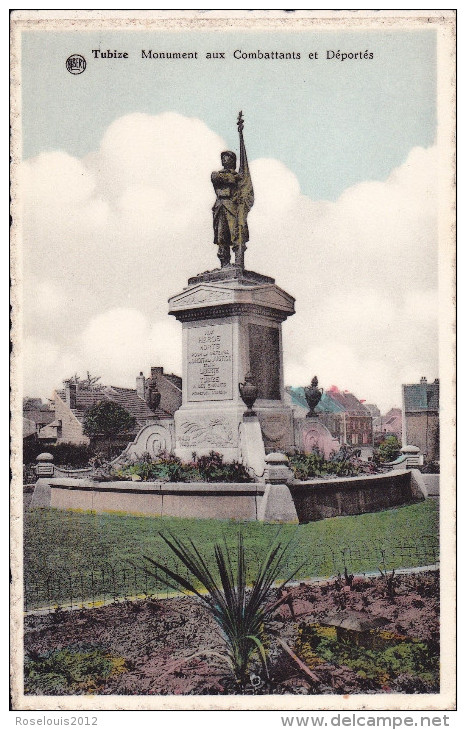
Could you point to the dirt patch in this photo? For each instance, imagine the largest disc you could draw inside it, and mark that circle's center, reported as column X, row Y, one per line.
column 173, row 647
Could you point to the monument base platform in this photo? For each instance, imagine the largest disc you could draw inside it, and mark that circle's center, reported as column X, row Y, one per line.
column 231, row 272
column 302, row 501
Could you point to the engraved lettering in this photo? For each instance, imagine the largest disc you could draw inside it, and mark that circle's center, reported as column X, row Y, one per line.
column 210, row 359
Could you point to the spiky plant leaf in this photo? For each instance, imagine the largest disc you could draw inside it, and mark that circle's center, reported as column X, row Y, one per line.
column 240, row 613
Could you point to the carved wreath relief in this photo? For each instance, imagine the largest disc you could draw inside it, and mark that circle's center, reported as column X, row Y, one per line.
column 210, row 432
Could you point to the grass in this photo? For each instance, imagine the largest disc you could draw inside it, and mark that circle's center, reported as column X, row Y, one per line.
column 59, row 543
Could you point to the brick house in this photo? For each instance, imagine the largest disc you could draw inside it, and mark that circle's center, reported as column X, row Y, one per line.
column 420, row 417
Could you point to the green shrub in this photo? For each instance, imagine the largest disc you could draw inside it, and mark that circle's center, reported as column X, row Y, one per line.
column 241, row 613
column 170, row 468
column 64, row 454
column 378, row 666
column 166, row 468
column 388, row 450
column 69, row 669
column 212, row 468
column 305, row 466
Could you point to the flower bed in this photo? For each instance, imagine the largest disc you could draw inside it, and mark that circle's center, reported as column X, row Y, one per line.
column 173, row 647
column 166, row 467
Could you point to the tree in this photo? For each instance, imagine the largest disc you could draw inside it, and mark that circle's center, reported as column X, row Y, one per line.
column 389, row 449
column 107, row 420
column 90, row 382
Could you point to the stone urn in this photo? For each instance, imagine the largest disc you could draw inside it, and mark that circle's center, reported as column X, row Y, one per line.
column 248, row 392
column 154, row 397
column 313, row 395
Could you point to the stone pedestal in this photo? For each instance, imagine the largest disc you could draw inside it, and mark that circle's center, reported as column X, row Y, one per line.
column 251, row 446
column 231, row 325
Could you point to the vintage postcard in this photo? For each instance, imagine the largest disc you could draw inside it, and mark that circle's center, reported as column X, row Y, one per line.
column 233, row 265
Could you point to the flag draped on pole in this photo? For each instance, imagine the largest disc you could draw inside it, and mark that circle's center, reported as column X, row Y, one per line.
column 245, row 189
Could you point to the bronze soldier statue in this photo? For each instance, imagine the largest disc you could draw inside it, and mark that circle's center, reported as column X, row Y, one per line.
column 235, row 198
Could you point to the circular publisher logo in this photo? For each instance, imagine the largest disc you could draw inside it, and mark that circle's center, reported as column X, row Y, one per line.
column 76, row 64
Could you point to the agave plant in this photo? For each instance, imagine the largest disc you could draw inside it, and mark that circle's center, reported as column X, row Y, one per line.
column 240, row 612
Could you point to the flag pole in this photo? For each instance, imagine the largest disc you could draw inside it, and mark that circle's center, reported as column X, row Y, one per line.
column 246, row 196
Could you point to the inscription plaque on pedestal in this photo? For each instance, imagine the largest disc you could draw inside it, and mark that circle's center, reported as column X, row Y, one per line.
column 210, row 363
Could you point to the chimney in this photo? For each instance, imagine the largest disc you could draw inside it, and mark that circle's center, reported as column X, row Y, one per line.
column 141, row 386
column 155, row 372
column 423, row 381
column 70, row 394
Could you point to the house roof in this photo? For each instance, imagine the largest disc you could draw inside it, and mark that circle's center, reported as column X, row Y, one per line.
column 350, row 403
column 393, row 413
column 174, row 379
column 29, row 427
column 41, row 416
column 35, row 404
column 134, row 404
column 373, row 410
column 331, row 402
column 325, row 405
column 125, row 397
column 421, row 396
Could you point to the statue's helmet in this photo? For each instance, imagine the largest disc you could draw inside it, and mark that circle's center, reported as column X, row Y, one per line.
column 228, row 156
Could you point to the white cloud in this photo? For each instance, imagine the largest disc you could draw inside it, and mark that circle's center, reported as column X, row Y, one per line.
column 115, row 345
column 334, row 361
column 120, row 342
column 46, row 364
column 54, row 179
column 108, row 239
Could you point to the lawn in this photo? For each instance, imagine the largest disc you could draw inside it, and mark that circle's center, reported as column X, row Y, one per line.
column 72, row 556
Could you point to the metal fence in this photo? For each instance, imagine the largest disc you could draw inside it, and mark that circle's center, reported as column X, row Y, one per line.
column 97, row 584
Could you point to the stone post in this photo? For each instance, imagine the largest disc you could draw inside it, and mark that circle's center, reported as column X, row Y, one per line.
column 44, row 466
column 277, row 470
column 414, row 458
column 277, row 503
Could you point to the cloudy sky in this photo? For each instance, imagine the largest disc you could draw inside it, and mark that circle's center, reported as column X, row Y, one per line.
column 117, row 200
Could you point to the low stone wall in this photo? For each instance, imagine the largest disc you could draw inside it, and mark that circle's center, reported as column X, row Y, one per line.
column 198, row 500
column 318, row 499
column 313, row 500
